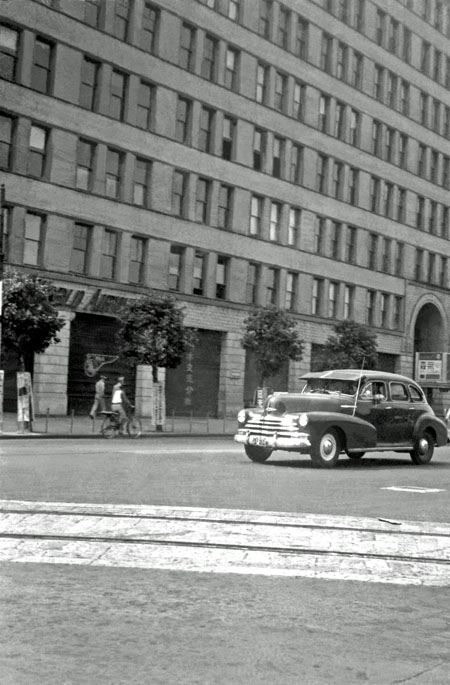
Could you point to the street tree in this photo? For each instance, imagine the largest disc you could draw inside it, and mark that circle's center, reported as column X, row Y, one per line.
column 29, row 319
column 271, row 335
column 352, row 346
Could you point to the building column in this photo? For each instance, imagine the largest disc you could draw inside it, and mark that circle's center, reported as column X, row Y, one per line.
column 51, row 370
column 231, row 378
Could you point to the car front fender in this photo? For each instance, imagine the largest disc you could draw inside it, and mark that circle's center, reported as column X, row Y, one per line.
column 359, row 434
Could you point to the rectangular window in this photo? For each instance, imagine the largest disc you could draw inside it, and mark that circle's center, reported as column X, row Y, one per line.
column 209, row 61
column 9, row 47
column 284, row 22
column 431, row 267
column 397, row 312
column 437, row 65
column 391, row 89
column 370, row 307
column 187, row 47
column 259, row 149
column 34, row 227
column 418, row 264
column 374, row 194
column 319, row 234
column 322, row 173
column 137, row 260
column 291, row 291
column 432, row 219
column 222, row 277
column 386, row 256
column 183, row 121
column 350, row 245
column 117, row 94
column 341, row 61
column 406, row 44
column 37, row 152
column 423, row 104
column 277, row 157
column 377, row 133
column 356, row 70
column 349, row 299
column 443, row 272
column 301, row 38
column 425, row 57
column 298, row 101
column 434, row 166
column 353, row 178
column 446, row 172
column 354, row 128
column 262, row 74
column 420, row 212
column 229, row 128
column 205, row 135
column 402, row 150
column 272, row 286
column 89, row 83
column 121, row 18
column 335, row 240
column 113, row 179
column 388, row 193
column 109, row 254
column 275, row 217
column 389, row 144
column 199, row 275
column 337, row 180
column 233, row 10
column 202, row 197
column 380, row 27
column 6, row 140
column 92, row 13
column 317, row 298
column 384, row 310
column 324, row 113
column 445, row 223
column 176, row 259
column 378, row 83
column 80, row 247
column 404, row 97
column 255, row 215
column 436, row 115
column 42, row 66
column 399, row 259
column 373, row 251
column 333, row 289
column 280, row 92
column 231, row 69
column 294, row 226
column 144, row 110
column 326, row 53
column 393, row 37
column 401, row 204
column 142, row 175
column 85, row 164
column 339, row 121
column 149, row 27
column 225, row 207
column 253, row 276
column 265, row 17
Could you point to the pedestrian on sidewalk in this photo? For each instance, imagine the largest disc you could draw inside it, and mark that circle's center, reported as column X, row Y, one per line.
column 99, row 398
column 120, row 402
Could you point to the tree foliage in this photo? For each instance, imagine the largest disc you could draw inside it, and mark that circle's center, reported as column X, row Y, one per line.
column 272, row 336
column 349, row 347
column 30, row 321
column 153, row 333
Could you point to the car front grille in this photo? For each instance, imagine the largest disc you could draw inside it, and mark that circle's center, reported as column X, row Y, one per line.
column 269, row 425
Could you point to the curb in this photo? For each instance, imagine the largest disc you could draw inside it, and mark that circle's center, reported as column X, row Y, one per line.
column 97, row 436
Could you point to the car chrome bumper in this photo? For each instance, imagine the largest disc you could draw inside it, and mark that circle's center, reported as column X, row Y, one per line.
column 300, row 441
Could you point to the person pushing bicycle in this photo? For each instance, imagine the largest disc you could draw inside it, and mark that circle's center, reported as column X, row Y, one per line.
column 120, row 402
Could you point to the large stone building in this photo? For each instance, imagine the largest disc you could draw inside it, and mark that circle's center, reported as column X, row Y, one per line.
column 233, row 153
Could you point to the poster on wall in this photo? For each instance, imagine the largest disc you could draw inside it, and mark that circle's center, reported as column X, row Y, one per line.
column 25, row 408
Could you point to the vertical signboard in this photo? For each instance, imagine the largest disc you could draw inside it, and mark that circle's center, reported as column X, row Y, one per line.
column 430, row 367
column 159, row 409
column 24, row 399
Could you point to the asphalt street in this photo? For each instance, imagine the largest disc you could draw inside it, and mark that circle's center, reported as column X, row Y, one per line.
column 89, row 530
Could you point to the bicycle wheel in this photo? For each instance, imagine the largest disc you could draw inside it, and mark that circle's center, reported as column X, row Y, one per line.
column 109, row 427
column 134, row 427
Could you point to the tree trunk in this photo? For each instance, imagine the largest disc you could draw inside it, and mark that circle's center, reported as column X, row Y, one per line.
column 159, row 426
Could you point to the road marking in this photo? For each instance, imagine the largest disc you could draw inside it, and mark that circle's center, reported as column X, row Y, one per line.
column 225, row 541
column 412, row 488
column 177, row 450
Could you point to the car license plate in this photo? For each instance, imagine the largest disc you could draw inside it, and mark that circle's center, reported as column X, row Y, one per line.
column 258, row 440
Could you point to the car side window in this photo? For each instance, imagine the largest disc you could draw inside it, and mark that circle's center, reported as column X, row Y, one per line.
column 399, row 392
column 374, row 390
column 415, row 394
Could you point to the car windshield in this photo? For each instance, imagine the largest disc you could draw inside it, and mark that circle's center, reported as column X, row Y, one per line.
column 330, row 385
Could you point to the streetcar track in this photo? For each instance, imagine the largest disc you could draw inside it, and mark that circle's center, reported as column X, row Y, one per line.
column 292, row 551
column 236, row 522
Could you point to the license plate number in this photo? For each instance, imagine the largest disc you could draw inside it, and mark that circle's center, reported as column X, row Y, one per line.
column 258, row 440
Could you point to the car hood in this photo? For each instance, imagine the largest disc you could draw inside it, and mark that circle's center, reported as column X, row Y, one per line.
column 294, row 404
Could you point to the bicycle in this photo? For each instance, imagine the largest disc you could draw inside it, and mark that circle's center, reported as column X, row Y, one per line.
column 112, row 424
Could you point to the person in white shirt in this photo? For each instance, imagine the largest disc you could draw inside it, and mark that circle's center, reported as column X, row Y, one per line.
column 120, row 401
column 99, row 397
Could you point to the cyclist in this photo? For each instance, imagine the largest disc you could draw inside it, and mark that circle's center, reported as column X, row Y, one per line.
column 120, row 402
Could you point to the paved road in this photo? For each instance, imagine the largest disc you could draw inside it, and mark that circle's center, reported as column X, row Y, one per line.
column 66, row 618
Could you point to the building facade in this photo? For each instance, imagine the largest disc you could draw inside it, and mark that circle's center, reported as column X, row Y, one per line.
column 233, row 153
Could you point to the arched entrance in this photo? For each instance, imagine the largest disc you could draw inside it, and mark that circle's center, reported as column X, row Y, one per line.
column 430, row 340
column 429, row 333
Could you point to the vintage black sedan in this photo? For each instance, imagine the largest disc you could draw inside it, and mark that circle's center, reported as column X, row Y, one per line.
column 344, row 411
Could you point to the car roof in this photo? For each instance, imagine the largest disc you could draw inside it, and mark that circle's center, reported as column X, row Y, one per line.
column 356, row 374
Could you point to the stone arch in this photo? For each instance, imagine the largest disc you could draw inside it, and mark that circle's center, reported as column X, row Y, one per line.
column 429, row 326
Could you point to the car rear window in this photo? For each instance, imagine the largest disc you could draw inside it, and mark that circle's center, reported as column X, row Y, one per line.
column 399, row 392
column 416, row 394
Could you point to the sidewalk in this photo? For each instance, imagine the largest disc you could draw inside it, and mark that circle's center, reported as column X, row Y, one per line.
column 84, row 427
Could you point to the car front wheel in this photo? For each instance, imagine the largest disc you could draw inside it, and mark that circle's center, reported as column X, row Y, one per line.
column 423, row 449
column 325, row 451
column 258, row 454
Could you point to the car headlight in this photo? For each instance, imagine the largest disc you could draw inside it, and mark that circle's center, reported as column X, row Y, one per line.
column 242, row 416
column 303, row 420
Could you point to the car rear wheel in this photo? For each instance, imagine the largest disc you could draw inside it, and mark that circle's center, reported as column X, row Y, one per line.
column 325, row 451
column 355, row 455
column 423, row 449
column 259, row 454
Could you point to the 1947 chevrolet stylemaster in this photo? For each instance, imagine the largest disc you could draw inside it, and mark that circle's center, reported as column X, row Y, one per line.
column 344, row 411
